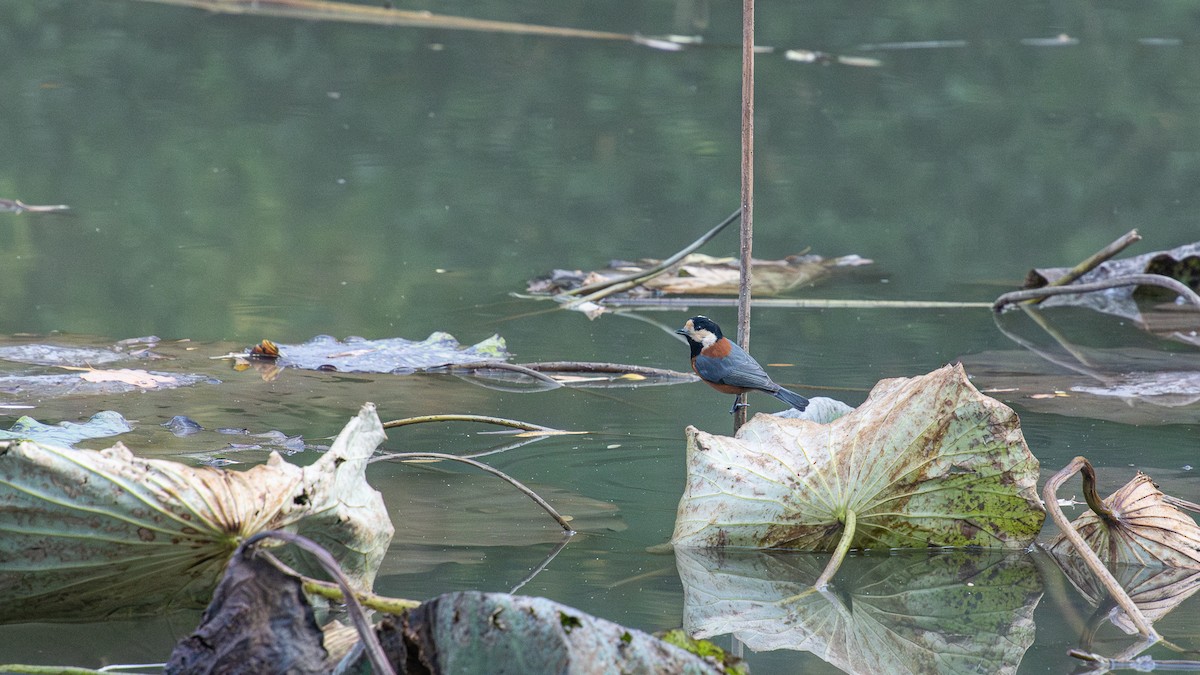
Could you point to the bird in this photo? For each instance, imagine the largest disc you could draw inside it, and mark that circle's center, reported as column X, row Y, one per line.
column 726, row 367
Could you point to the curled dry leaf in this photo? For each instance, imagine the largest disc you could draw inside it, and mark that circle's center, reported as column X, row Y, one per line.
column 87, row 533
column 1138, row 526
column 927, row 461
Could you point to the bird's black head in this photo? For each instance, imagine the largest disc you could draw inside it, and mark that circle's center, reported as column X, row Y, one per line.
column 700, row 332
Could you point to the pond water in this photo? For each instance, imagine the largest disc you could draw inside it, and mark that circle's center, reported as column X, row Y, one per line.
column 238, row 178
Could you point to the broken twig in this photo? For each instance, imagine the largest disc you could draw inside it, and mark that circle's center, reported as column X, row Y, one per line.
column 1128, row 280
column 607, row 288
column 1095, row 259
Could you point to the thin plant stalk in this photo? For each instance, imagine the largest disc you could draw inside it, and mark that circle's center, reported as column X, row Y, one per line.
column 792, row 303
column 503, row 365
column 322, row 10
column 1101, row 572
column 602, row 367
column 30, row 669
column 839, row 553
column 545, row 562
column 482, row 419
column 334, row 592
column 747, row 226
column 562, row 522
column 375, row 654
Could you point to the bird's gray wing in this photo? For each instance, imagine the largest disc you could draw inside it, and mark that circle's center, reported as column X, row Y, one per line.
column 738, row 370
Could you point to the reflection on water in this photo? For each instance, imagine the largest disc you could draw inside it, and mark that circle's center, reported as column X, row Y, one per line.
column 965, row 611
column 233, row 179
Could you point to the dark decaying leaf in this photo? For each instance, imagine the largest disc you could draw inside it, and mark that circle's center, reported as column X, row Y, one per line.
column 962, row 611
column 926, row 461
column 1140, row 528
column 1181, row 263
column 501, row 634
column 258, row 622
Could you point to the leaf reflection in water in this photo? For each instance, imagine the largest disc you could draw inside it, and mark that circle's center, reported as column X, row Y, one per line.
column 956, row 611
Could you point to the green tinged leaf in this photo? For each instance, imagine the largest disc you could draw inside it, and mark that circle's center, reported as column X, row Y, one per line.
column 927, row 461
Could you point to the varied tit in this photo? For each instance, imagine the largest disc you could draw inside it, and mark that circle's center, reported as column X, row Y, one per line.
column 726, row 367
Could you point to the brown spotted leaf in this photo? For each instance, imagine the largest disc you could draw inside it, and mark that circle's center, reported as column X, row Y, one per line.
column 1143, row 529
column 927, row 461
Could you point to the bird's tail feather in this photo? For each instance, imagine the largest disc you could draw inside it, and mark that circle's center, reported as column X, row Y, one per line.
column 791, row 398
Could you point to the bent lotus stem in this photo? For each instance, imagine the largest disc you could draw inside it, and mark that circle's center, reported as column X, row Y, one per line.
column 562, row 522
column 1159, row 280
column 1105, row 577
column 482, row 419
column 1092, row 496
column 839, row 554
column 504, row 365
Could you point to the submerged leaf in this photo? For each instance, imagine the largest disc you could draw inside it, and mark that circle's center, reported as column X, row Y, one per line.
column 103, row 423
column 59, row 355
column 1129, row 385
column 86, row 533
column 389, row 355
column 1141, row 528
column 704, row 275
column 57, row 386
column 927, row 461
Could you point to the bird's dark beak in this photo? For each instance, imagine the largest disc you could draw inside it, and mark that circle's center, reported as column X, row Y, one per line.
column 681, row 331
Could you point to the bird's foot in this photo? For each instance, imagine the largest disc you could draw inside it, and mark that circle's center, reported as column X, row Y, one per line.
column 737, row 405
